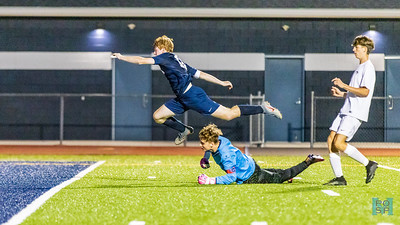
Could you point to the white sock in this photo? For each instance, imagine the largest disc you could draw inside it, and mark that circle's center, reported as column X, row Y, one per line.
column 356, row 155
column 334, row 158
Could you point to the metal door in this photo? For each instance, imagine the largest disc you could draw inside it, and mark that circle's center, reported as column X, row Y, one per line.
column 392, row 109
column 132, row 109
column 284, row 82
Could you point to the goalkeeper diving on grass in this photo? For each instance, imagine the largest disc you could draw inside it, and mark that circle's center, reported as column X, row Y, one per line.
column 239, row 167
column 188, row 96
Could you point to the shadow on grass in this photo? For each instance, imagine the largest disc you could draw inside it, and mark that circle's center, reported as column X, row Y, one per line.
column 134, row 186
column 297, row 189
column 270, row 188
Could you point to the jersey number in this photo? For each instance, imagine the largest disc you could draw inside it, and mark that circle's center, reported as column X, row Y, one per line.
column 182, row 64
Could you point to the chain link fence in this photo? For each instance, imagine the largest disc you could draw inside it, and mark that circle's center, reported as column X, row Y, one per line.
column 381, row 130
column 110, row 117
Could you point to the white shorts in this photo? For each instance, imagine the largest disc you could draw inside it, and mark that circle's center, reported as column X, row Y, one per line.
column 346, row 125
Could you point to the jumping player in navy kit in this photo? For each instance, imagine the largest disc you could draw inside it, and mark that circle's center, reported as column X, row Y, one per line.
column 188, row 96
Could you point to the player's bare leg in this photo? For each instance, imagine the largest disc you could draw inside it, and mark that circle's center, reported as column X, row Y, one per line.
column 165, row 116
column 227, row 113
column 244, row 110
column 339, row 142
column 334, row 158
column 330, row 141
column 162, row 114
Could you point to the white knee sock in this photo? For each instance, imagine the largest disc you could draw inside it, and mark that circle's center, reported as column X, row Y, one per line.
column 356, row 155
column 334, row 158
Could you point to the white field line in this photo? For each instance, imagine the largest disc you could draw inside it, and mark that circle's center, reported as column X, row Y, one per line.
column 330, row 193
column 389, row 168
column 259, row 223
column 31, row 208
column 137, row 222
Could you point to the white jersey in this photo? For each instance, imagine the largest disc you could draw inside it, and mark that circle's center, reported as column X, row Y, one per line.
column 356, row 106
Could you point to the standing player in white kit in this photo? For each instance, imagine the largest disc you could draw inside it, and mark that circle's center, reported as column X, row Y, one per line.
column 357, row 95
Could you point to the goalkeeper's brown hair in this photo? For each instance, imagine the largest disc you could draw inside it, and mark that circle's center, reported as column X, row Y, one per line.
column 164, row 42
column 210, row 133
column 364, row 41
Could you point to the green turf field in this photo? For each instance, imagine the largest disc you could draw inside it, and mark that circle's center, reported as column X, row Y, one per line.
column 124, row 189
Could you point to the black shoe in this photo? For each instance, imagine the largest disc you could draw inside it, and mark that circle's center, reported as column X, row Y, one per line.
column 337, row 181
column 371, row 168
column 311, row 159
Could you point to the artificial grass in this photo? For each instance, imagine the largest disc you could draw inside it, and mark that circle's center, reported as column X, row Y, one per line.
column 124, row 189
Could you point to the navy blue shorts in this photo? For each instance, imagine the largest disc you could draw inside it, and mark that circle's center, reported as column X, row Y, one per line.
column 196, row 99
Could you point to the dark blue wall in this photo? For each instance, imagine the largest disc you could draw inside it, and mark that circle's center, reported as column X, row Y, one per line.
column 34, row 118
column 195, row 35
column 190, row 35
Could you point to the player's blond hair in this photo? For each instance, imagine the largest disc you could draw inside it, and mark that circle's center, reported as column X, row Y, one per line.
column 210, row 133
column 364, row 41
column 164, row 42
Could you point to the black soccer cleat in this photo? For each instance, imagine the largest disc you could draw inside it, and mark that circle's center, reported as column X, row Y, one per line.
column 311, row 159
column 337, row 181
column 371, row 168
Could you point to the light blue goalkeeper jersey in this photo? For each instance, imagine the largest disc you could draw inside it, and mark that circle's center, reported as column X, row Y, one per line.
column 238, row 166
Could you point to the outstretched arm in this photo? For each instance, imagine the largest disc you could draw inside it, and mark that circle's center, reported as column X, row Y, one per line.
column 210, row 78
column 229, row 178
column 134, row 59
column 360, row 92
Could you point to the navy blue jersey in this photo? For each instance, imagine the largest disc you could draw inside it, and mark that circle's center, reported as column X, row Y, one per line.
column 178, row 73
